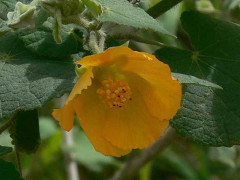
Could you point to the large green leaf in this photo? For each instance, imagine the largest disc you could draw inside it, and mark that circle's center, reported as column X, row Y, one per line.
column 209, row 116
column 8, row 171
column 124, row 13
column 28, row 81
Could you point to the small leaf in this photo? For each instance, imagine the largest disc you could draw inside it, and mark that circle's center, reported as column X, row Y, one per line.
column 8, row 171
column 25, row 131
column 93, row 6
column 57, row 27
column 5, row 150
column 124, row 13
column 23, row 16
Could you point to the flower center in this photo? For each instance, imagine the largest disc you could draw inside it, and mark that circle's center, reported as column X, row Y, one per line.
column 115, row 93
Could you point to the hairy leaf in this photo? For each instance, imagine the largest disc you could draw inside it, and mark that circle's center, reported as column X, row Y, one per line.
column 124, row 13
column 28, row 81
column 209, row 116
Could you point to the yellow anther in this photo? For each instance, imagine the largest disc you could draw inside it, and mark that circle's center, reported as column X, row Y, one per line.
column 115, row 93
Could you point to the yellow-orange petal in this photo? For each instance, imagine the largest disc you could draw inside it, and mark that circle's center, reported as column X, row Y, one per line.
column 91, row 112
column 111, row 55
column 169, row 92
column 161, row 92
column 133, row 126
column 65, row 115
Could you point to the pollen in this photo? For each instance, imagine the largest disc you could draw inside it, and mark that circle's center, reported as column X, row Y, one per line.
column 115, row 94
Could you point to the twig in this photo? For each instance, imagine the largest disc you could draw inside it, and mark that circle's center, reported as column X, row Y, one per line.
column 18, row 162
column 72, row 169
column 5, row 126
column 71, row 164
column 161, row 7
column 131, row 167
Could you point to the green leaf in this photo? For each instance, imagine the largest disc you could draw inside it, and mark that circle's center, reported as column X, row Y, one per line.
column 41, row 42
column 8, row 171
column 25, row 131
column 93, row 6
column 209, row 116
column 5, row 150
column 28, row 81
column 4, row 29
column 187, row 79
column 124, row 13
column 47, row 127
column 84, row 153
column 5, row 7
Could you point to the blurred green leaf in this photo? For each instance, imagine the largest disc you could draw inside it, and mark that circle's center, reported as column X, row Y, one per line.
column 51, row 147
column 208, row 116
column 47, row 127
column 25, row 131
column 28, row 81
column 124, row 13
column 224, row 155
column 8, row 171
column 175, row 162
column 5, row 150
column 84, row 153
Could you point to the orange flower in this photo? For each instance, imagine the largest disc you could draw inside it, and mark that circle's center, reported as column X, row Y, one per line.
column 124, row 100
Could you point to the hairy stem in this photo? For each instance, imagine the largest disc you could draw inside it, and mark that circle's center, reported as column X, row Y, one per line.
column 93, row 43
column 162, row 7
column 132, row 166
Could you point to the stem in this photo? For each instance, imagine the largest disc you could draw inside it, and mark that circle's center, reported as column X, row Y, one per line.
column 72, row 169
column 102, row 40
column 131, row 167
column 71, row 164
column 5, row 126
column 162, row 7
column 18, row 162
column 93, row 43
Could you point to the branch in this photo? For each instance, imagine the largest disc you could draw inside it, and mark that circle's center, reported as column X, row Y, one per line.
column 132, row 166
column 161, row 7
column 71, row 165
column 5, row 126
